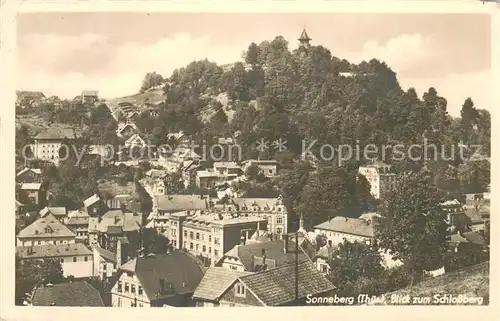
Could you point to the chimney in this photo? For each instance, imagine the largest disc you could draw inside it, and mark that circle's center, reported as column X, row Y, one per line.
column 118, row 254
column 285, row 243
column 263, row 257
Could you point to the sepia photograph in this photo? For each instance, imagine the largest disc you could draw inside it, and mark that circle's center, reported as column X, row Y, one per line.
column 181, row 159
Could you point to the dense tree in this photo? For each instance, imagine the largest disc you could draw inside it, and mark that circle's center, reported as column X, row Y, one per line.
column 474, row 176
column 412, row 224
column 31, row 273
column 151, row 80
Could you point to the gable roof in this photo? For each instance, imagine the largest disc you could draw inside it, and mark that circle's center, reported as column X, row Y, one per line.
column 57, row 133
column 78, row 220
column 215, row 282
column 180, row 202
column 274, row 251
column 48, row 226
column 108, row 255
column 68, row 294
column 56, row 211
column 277, row 286
column 52, row 250
column 354, row 226
column 37, row 171
column 181, row 274
column 91, row 200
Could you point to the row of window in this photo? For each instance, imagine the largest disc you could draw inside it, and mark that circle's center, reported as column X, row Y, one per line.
column 119, row 303
column 75, row 259
column 127, row 287
column 196, row 247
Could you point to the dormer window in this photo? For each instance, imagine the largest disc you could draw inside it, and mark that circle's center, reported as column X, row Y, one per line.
column 240, row 290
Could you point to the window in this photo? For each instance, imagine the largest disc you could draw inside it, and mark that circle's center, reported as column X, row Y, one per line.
column 216, row 253
column 232, row 267
column 197, row 236
column 209, row 250
column 104, row 267
column 197, row 247
column 74, row 259
column 185, row 233
column 139, row 290
column 86, row 258
column 191, row 234
column 279, row 220
column 174, row 233
column 240, row 290
column 324, row 268
column 119, row 302
column 204, row 248
column 140, row 305
column 279, row 230
column 191, row 245
column 210, row 238
column 216, row 240
column 62, row 260
column 132, row 288
column 127, row 287
column 119, row 287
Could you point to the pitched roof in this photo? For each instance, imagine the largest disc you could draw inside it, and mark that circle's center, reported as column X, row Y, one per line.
column 277, row 286
column 127, row 221
column 37, row 171
column 156, row 173
column 56, row 211
column 274, row 251
column 474, row 216
column 179, row 271
column 304, row 36
column 78, row 220
column 354, row 226
column 48, row 226
column 215, row 282
column 31, row 186
column 68, row 294
column 52, row 250
column 474, row 237
column 108, row 255
column 259, row 202
column 180, row 202
column 57, row 133
column 91, row 200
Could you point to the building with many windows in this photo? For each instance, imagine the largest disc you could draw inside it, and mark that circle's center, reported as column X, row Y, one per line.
column 380, row 178
column 76, row 259
column 342, row 228
column 48, row 143
column 45, row 230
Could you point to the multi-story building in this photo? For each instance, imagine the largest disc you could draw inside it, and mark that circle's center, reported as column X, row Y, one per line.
column 211, row 235
column 114, row 224
column 272, row 209
column 220, row 173
column 342, row 228
column 48, row 143
column 106, row 262
column 76, row 259
column 78, row 222
column 167, row 204
column 188, row 170
column 157, row 280
column 45, row 230
column 268, row 168
column 380, row 178
column 89, row 96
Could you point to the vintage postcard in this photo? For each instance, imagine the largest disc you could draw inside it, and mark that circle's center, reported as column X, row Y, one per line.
column 167, row 156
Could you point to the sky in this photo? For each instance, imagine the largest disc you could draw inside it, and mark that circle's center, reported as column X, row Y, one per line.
column 64, row 53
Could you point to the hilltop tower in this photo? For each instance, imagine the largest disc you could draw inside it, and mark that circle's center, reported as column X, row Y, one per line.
column 304, row 39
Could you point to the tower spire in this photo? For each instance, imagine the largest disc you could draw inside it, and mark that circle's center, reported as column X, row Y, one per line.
column 304, row 39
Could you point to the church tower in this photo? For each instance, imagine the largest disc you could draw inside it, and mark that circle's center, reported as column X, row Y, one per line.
column 304, row 39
